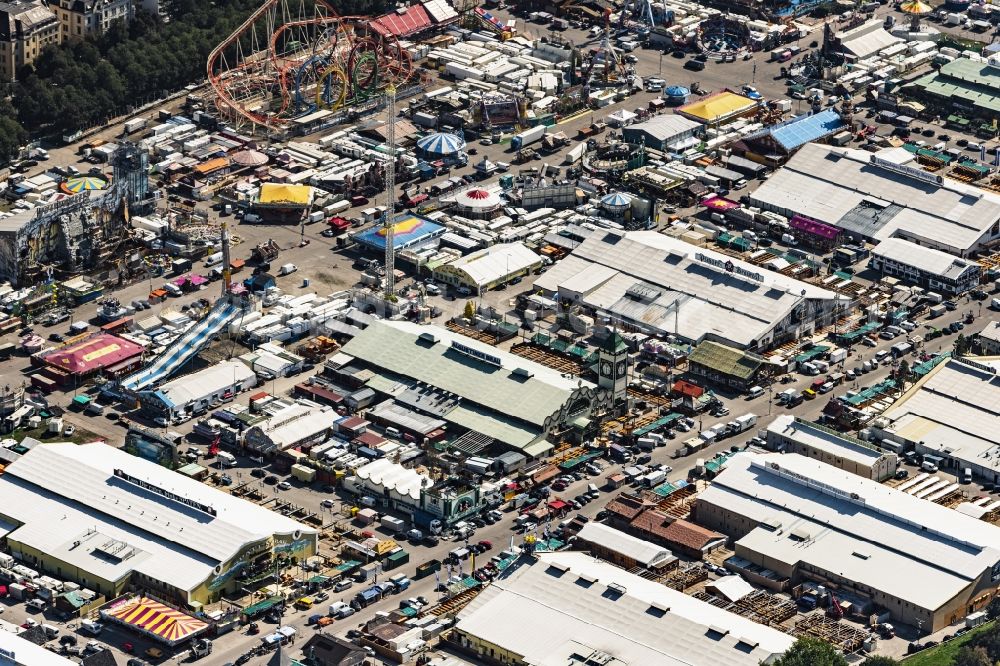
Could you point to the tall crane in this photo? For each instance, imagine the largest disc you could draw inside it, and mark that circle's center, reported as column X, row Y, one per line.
column 389, row 223
column 227, row 286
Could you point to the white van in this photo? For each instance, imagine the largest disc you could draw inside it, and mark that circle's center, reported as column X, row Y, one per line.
column 213, row 259
column 287, row 269
column 91, row 627
column 50, row 631
column 226, row 459
column 172, row 289
column 928, row 466
column 36, row 604
column 755, row 392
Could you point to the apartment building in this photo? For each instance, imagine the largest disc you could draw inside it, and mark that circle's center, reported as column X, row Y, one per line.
column 26, row 27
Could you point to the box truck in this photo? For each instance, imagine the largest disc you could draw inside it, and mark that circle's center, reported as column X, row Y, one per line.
column 527, row 137
column 393, row 524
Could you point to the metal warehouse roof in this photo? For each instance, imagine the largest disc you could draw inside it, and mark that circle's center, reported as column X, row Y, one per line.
column 799, row 131
column 955, row 409
column 64, row 493
column 967, row 80
column 830, row 184
column 581, row 605
column 867, row 39
column 474, row 372
column 27, row 652
column 205, row 382
column 496, row 262
column 907, row 538
column 295, row 423
column 663, row 127
column 653, row 272
column 822, row 439
column 923, row 258
column 644, row 552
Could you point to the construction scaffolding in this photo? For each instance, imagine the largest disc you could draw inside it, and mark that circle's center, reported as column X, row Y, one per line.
column 676, row 504
column 546, row 358
column 474, row 333
column 758, row 606
column 842, row 636
column 680, row 579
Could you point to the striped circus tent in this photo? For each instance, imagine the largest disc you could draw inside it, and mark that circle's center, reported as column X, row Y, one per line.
column 157, row 620
column 83, row 184
column 441, row 143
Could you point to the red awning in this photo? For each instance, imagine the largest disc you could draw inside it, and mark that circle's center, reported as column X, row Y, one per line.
column 557, row 505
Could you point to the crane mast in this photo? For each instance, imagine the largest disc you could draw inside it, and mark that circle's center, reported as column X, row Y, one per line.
column 227, row 286
column 389, row 223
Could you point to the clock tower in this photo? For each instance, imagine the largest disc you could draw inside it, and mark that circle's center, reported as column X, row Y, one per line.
column 612, row 367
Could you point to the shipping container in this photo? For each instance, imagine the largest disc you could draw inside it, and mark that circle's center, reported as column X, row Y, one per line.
column 135, row 125
column 396, row 559
column 427, row 568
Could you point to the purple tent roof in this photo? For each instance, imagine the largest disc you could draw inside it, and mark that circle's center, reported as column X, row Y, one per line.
column 814, row 227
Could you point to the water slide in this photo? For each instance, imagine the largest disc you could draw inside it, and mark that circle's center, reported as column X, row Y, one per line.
column 494, row 24
column 183, row 348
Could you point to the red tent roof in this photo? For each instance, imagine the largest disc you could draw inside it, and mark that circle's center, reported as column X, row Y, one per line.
column 687, row 388
column 93, row 354
column 401, row 24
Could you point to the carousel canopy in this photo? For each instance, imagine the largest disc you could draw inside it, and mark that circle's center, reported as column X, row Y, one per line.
column 83, row 184
column 441, row 143
column 478, row 198
column 677, row 91
column 616, row 200
column 249, row 158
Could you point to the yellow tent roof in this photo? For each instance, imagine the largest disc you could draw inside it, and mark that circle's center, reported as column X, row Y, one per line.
column 282, row 193
column 717, row 107
column 916, row 7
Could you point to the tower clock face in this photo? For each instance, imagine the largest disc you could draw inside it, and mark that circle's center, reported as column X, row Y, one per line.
column 620, row 369
column 606, row 368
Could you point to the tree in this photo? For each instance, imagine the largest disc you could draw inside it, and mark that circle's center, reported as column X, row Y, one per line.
column 879, row 660
column 903, row 371
column 812, row 652
column 470, row 310
column 992, row 611
column 972, row 656
column 961, row 345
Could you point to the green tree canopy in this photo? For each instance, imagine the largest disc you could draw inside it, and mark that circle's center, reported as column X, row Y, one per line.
column 811, row 652
column 879, row 660
column 972, row 656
